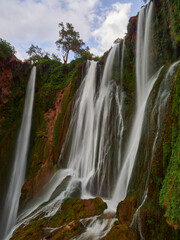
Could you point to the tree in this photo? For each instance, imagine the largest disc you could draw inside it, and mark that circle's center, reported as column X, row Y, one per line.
column 86, row 54
column 36, row 54
column 55, row 57
column 69, row 40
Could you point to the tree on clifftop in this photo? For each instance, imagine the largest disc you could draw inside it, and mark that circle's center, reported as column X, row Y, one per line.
column 36, row 54
column 69, row 40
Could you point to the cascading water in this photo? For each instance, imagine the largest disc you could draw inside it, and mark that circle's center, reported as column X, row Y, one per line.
column 144, row 87
column 11, row 204
column 122, row 59
column 87, row 154
column 92, row 132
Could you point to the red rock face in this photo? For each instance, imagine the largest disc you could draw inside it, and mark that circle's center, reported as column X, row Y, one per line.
column 132, row 31
column 10, row 65
column 52, row 114
column 49, row 155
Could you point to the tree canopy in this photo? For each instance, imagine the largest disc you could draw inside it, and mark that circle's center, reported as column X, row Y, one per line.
column 69, row 40
column 36, row 53
column 5, row 49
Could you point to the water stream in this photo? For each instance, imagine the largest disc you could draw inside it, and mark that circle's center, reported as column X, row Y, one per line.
column 144, row 85
column 11, row 204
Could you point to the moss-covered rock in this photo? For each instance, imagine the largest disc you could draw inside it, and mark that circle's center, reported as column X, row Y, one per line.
column 72, row 210
column 126, row 210
column 121, row 232
column 68, row 231
column 75, row 208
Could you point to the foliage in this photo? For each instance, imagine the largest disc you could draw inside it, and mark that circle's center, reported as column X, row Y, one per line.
column 36, row 54
column 85, row 53
column 97, row 58
column 5, row 49
column 71, row 209
column 55, row 57
column 53, row 76
column 69, row 40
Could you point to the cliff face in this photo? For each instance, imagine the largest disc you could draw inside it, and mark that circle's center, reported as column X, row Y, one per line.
column 158, row 216
column 14, row 75
column 55, row 87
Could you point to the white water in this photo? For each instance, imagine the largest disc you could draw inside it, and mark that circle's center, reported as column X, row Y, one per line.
column 122, row 59
column 90, row 135
column 87, row 147
column 144, row 87
column 19, row 167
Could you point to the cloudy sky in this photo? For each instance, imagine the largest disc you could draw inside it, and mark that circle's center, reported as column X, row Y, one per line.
column 99, row 22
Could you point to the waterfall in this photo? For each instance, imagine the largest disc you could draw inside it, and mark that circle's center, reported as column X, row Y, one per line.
column 144, row 85
column 10, row 208
column 122, row 59
column 92, row 130
column 91, row 148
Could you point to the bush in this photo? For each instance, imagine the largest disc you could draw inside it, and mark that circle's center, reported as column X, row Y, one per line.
column 5, row 49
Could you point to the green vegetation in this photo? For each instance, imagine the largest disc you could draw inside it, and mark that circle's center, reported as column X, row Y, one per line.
column 5, row 49
column 54, row 76
column 71, row 209
column 36, row 54
column 170, row 192
column 69, row 40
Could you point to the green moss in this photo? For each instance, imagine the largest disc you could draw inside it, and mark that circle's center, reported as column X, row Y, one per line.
column 30, row 232
column 54, row 76
column 75, row 208
column 71, row 209
column 121, row 232
column 170, row 192
column 74, row 228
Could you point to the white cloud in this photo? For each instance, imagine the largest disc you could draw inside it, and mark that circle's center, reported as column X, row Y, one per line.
column 113, row 26
column 26, row 22
column 32, row 21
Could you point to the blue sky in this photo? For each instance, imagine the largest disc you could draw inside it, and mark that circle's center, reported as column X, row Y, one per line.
column 99, row 22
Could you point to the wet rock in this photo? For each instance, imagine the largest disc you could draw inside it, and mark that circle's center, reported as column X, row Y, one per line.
column 121, row 232
column 126, row 210
column 76, row 190
column 65, row 223
column 75, row 208
column 60, row 188
column 67, row 232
